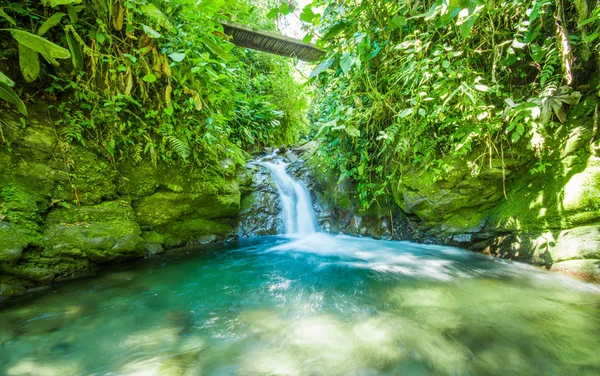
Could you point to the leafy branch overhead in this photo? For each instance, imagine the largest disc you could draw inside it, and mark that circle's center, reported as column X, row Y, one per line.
column 415, row 83
column 155, row 80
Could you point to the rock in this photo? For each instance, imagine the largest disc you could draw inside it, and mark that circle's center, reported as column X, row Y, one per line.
column 588, row 269
column 154, row 249
column 11, row 255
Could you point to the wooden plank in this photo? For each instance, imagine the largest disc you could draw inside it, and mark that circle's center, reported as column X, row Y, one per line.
column 270, row 42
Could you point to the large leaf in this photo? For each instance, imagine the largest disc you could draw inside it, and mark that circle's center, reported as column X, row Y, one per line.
column 156, row 15
column 76, row 53
column 39, row 44
column 4, row 78
column 322, row 67
column 346, row 62
column 216, row 49
column 10, row 96
column 50, row 23
column 7, row 17
column 55, row 3
column 29, row 61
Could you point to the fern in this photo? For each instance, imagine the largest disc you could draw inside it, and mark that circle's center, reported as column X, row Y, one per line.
column 179, row 147
column 551, row 61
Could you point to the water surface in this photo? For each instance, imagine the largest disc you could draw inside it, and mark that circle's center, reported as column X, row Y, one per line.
column 318, row 305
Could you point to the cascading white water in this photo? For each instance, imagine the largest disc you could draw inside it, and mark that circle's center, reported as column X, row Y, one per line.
column 296, row 206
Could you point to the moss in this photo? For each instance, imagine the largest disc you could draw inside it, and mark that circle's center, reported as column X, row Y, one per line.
column 153, row 237
column 103, row 232
column 178, row 233
column 93, row 179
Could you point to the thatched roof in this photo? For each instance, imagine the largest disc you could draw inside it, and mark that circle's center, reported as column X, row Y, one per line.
column 274, row 43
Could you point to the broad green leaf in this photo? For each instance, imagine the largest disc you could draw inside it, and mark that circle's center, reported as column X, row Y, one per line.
column 149, row 78
column 29, row 61
column 10, row 96
column 55, row 3
column 483, row 88
column 7, row 17
column 322, row 67
column 50, row 23
column 5, row 79
column 76, row 53
column 156, row 15
column 177, row 57
column 520, row 128
column 352, row 131
column 405, row 113
column 346, row 62
column 150, row 32
column 307, row 14
column 286, row 9
column 101, row 38
column 397, row 22
column 515, row 137
column 39, row 44
column 216, row 49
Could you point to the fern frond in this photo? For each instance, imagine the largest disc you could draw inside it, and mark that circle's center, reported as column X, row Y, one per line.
column 179, row 147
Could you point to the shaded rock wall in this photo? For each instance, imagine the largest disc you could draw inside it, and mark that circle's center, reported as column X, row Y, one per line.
column 62, row 214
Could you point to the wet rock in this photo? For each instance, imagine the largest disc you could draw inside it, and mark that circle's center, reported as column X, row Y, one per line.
column 588, row 269
column 260, row 210
column 154, row 249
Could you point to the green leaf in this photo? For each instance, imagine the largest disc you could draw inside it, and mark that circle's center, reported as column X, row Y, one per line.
column 322, row 67
column 151, row 32
column 397, row 22
column 515, row 137
column 29, row 61
column 346, row 62
column 352, row 131
column 156, row 15
column 55, row 3
column 39, row 44
column 76, row 52
column 177, row 57
column 216, row 49
column 169, row 111
column 100, row 37
column 405, row 113
column 307, row 14
column 286, row 9
column 273, row 13
column 483, row 88
column 10, row 96
column 149, row 78
column 5, row 79
column 7, row 17
column 50, row 23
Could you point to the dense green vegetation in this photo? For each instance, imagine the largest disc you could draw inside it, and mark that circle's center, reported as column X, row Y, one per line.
column 149, row 80
column 414, row 82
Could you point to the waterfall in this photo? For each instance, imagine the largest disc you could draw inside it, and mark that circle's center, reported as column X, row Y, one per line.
column 296, row 206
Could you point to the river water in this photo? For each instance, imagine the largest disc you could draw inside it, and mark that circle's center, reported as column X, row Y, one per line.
column 308, row 304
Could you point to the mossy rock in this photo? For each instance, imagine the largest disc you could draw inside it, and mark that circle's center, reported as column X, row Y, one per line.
column 189, row 231
column 552, row 201
column 92, row 180
column 102, row 233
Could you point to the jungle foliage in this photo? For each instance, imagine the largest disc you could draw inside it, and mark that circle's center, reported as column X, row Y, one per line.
column 156, row 80
column 413, row 83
